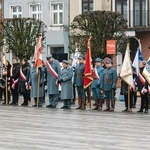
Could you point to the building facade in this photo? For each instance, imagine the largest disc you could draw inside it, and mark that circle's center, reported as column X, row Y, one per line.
column 54, row 13
column 137, row 13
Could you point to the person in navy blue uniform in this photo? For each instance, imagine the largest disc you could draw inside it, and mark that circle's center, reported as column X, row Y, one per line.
column 97, row 94
column 78, row 81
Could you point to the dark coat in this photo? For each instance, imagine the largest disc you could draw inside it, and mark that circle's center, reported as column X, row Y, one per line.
column 15, row 73
column 140, row 85
column 22, row 84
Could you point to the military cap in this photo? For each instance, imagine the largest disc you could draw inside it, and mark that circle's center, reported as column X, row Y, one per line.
column 65, row 62
column 109, row 61
column 81, row 57
column 48, row 56
column 33, row 61
column 98, row 59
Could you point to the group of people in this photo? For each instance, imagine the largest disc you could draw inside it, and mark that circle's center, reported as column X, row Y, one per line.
column 29, row 81
column 141, row 86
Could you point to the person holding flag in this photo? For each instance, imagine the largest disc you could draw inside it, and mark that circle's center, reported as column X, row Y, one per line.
column 108, row 85
column 126, row 75
column 24, row 81
column 143, row 89
column 97, row 73
column 53, row 72
column 36, row 79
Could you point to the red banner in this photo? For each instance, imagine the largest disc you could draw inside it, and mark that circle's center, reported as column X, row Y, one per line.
column 88, row 74
column 111, row 47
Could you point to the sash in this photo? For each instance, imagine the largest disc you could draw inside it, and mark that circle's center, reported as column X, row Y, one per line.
column 144, row 90
column 14, row 82
column 96, row 76
column 51, row 70
column 22, row 75
column 142, row 79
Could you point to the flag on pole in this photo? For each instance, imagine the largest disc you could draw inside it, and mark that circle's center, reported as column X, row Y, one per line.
column 88, row 75
column 146, row 71
column 75, row 57
column 126, row 70
column 138, row 58
column 38, row 52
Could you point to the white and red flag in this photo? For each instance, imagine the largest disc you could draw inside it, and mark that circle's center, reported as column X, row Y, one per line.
column 38, row 52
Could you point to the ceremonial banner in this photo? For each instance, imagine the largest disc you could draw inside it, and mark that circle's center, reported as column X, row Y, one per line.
column 38, row 52
column 146, row 71
column 111, row 46
column 126, row 70
column 88, row 75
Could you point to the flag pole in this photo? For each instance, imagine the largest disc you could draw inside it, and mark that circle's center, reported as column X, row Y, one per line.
column 38, row 92
column 6, row 91
column 128, row 98
column 90, row 97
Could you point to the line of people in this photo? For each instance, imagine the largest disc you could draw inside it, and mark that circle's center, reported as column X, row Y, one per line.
column 25, row 79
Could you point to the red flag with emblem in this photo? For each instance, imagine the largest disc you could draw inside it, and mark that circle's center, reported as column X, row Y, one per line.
column 88, row 74
column 38, row 52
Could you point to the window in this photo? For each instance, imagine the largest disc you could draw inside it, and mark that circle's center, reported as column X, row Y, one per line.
column 87, row 5
column 16, row 11
column 140, row 12
column 121, row 7
column 57, row 14
column 36, row 11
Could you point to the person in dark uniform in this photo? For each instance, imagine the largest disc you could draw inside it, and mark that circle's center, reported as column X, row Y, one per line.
column 73, row 86
column 124, row 91
column 14, row 77
column 143, row 88
column 108, row 85
column 78, row 81
column 23, row 81
column 8, row 66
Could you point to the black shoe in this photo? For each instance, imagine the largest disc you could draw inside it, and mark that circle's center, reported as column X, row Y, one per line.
column 39, row 105
column 68, row 107
column 94, row 104
column 83, row 108
column 146, row 111
column 134, row 106
column 34, row 105
column 96, row 108
column 24, row 104
column 53, row 106
column 140, row 111
column 107, row 109
column 16, row 104
column 48, row 106
column 79, row 107
column 125, row 110
column 4, row 103
column 11, row 103
column 64, row 107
